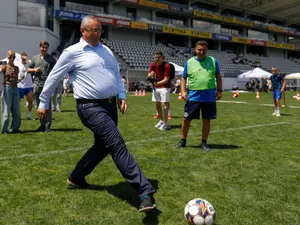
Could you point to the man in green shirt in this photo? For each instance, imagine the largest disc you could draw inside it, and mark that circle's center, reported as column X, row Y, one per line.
column 40, row 67
column 205, row 87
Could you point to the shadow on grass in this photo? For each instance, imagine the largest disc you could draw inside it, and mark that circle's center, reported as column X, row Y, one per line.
column 285, row 114
column 218, row 147
column 69, row 110
column 125, row 192
column 54, row 130
column 175, row 126
column 66, row 129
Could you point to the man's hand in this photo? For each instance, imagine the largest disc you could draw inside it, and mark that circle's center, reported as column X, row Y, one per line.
column 42, row 113
column 37, row 69
column 184, row 95
column 122, row 105
column 151, row 74
column 219, row 95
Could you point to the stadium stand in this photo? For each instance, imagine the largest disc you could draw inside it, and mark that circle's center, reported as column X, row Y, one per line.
column 139, row 55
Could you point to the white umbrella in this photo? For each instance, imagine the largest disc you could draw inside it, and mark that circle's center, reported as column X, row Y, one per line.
column 178, row 69
column 255, row 73
column 293, row 76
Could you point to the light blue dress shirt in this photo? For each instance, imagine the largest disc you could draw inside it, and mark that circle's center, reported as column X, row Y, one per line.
column 93, row 71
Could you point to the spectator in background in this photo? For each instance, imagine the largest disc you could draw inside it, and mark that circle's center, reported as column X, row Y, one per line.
column 10, row 95
column 124, row 81
column 25, row 85
column 278, row 85
column 56, row 97
column 160, row 71
column 265, row 85
column 257, row 85
column 234, row 87
column 40, row 66
column 66, row 85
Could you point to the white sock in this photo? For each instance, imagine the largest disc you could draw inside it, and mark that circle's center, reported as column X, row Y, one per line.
column 29, row 113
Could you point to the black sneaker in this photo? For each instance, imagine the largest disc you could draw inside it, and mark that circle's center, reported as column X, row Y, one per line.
column 205, row 147
column 181, row 144
column 147, row 203
column 47, row 129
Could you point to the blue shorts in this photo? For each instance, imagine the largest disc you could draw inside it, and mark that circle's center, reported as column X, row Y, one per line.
column 192, row 110
column 24, row 91
column 276, row 95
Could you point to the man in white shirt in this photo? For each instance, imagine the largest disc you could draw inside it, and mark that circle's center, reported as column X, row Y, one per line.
column 25, row 83
column 98, row 90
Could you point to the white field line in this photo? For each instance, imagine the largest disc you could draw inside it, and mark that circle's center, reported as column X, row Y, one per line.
column 271, row 105
column 135, row 142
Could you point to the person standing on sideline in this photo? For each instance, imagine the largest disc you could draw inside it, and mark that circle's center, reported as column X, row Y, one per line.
column 278, row 84
column 40, row 66
column 160, row 72
column 10, row 95
column 66, row 85
column 25, row 83
column 56, row 97
column 98, row 90
column 205, row 86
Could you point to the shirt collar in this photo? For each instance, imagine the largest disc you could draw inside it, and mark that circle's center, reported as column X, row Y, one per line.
column 84, row 44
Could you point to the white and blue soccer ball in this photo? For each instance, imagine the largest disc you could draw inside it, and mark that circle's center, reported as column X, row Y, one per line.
column 199, row 212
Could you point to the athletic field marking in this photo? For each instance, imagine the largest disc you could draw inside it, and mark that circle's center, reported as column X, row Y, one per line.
column 135, row 142
column 271, row 105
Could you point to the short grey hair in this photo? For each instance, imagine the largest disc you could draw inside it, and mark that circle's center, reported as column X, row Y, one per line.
column 86, row 19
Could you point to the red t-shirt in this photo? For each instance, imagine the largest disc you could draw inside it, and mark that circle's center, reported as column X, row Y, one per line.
column 161, row 73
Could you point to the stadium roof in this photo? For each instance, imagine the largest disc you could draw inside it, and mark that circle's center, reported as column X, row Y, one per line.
column 287, row 10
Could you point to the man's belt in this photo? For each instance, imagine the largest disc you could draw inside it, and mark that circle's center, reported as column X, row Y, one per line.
column 102, row 100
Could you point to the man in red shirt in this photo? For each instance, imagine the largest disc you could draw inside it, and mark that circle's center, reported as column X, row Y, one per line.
column 160, row 71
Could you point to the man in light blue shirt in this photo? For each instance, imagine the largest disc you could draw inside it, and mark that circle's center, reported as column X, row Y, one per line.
column 98, row 89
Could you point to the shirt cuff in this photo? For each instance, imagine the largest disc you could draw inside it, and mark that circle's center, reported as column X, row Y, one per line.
column 122, row 95
column 43, row 105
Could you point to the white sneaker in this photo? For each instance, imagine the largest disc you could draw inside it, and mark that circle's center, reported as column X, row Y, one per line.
column 26, row 104
column 58, row 110
column 159, row 124
column 30, row 117
column 278, row 114
column 274, row 114
column 164, row 127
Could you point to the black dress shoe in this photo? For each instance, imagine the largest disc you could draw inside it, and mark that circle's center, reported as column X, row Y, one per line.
column 81, row 184
column 147, row 203
column 16, row 132
column 40, row 129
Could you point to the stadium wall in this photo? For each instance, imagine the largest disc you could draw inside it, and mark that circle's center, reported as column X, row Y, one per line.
column 21, row 38
column 130, row 35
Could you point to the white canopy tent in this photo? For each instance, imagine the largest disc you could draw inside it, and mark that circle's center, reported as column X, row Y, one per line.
column 255, row 73
column 292, row 76
column 178, row 69
column 291, row 83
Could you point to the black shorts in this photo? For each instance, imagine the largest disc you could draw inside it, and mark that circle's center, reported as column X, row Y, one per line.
column 192, row 110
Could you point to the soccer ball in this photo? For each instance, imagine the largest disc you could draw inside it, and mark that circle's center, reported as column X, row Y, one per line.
column 199, row 211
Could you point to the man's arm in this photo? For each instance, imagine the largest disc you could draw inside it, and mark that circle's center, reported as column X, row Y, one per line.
column 151, row 71
column 283, row 85
column 166, row 76
column 219, row 81
column 62, row 67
